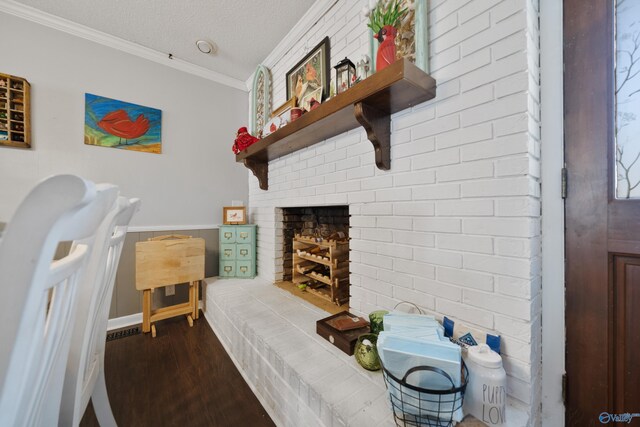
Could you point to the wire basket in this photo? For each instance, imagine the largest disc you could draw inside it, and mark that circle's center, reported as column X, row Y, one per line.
column 417, row 406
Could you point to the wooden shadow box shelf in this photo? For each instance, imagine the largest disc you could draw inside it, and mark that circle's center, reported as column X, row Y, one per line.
column 15, row 129
column 369, row 104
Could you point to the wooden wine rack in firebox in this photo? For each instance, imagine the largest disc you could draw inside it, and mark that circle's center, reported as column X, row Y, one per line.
column 323, row 265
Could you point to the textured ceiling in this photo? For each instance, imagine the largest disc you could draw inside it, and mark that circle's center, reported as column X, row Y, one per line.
column 245, row 31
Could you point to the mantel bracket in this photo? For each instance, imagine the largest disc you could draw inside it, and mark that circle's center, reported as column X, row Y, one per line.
column 378, row 126
column 260, row 170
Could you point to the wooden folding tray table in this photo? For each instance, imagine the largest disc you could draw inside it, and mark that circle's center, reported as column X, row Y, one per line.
column 169, row 260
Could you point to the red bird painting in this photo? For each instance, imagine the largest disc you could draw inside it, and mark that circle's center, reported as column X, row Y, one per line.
column 387, row 49
column 122, row 125
column 119, row 124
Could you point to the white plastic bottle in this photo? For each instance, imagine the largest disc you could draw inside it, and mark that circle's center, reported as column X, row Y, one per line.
column 486, row 394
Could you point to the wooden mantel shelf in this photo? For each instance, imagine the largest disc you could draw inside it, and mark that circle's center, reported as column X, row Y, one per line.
column 369, row 104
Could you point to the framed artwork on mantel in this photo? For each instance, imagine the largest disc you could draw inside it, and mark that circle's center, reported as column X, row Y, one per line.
column 260, row 100
column 311, row 73
column 412, row 40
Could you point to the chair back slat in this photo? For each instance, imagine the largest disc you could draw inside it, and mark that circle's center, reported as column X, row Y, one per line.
column 85, row 368
column 39, row 306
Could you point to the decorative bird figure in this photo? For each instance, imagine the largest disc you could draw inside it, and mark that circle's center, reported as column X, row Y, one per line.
column 243, row 140
column 387, row 49
column 119, row 124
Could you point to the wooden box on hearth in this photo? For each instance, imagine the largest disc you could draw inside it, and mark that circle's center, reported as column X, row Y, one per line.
column 344, row 340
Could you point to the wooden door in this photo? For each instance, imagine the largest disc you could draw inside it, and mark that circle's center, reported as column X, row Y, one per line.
column 602, row 230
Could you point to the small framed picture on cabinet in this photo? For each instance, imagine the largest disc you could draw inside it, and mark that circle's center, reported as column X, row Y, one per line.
column 234, row 215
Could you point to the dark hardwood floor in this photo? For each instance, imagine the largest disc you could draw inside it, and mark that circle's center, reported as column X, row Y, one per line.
column 181, row 377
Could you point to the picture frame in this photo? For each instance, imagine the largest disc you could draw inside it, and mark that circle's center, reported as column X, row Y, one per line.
column 234, row 215
column 291, row 103
column 310, row 73
column 279, row 118
column 415, row 48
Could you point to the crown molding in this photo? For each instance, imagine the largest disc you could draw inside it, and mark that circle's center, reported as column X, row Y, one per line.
column 43, row 18
column 308, row 20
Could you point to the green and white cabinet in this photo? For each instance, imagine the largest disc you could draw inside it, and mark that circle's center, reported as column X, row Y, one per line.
column 238, row 251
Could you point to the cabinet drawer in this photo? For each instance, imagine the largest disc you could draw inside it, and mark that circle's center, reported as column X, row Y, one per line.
column 244, row 234
column 227, row 268
column 228, row 251
column 245, row 269
column 227, row 234
column 244, row 252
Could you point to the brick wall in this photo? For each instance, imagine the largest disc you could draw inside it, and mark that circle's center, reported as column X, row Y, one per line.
column 454, row 226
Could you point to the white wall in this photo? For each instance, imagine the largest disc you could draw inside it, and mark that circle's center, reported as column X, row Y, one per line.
column 187, row 184
column 454, row 226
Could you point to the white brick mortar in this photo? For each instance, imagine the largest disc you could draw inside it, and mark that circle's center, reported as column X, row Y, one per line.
column 454, row 226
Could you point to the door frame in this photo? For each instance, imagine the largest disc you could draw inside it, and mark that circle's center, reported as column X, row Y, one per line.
column 552, row 215
column 599, row 227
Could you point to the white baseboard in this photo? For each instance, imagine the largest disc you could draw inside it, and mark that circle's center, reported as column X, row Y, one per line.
column 130, row 320
column 124, row 321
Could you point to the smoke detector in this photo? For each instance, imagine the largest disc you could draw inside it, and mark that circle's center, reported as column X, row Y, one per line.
column 206, row 47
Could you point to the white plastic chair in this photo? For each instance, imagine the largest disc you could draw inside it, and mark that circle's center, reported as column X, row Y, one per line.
column 84, row 378
column 37, row 306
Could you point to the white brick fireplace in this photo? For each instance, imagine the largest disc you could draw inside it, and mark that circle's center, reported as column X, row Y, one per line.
column 454, row 226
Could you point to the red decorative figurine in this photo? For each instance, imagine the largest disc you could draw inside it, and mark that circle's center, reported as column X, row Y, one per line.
column 387, row 49
column 243, row 140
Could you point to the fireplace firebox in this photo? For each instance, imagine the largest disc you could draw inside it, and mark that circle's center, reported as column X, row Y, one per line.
column 316, row 250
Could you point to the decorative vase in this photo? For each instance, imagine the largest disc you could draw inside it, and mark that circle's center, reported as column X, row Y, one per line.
column 387, row 48
column 376, row 321
column 366, row 352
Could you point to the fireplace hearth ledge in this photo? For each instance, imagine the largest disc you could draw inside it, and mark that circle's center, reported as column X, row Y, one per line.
column 298, row 376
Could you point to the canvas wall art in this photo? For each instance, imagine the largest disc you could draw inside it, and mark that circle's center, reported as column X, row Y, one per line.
column 117, row 124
